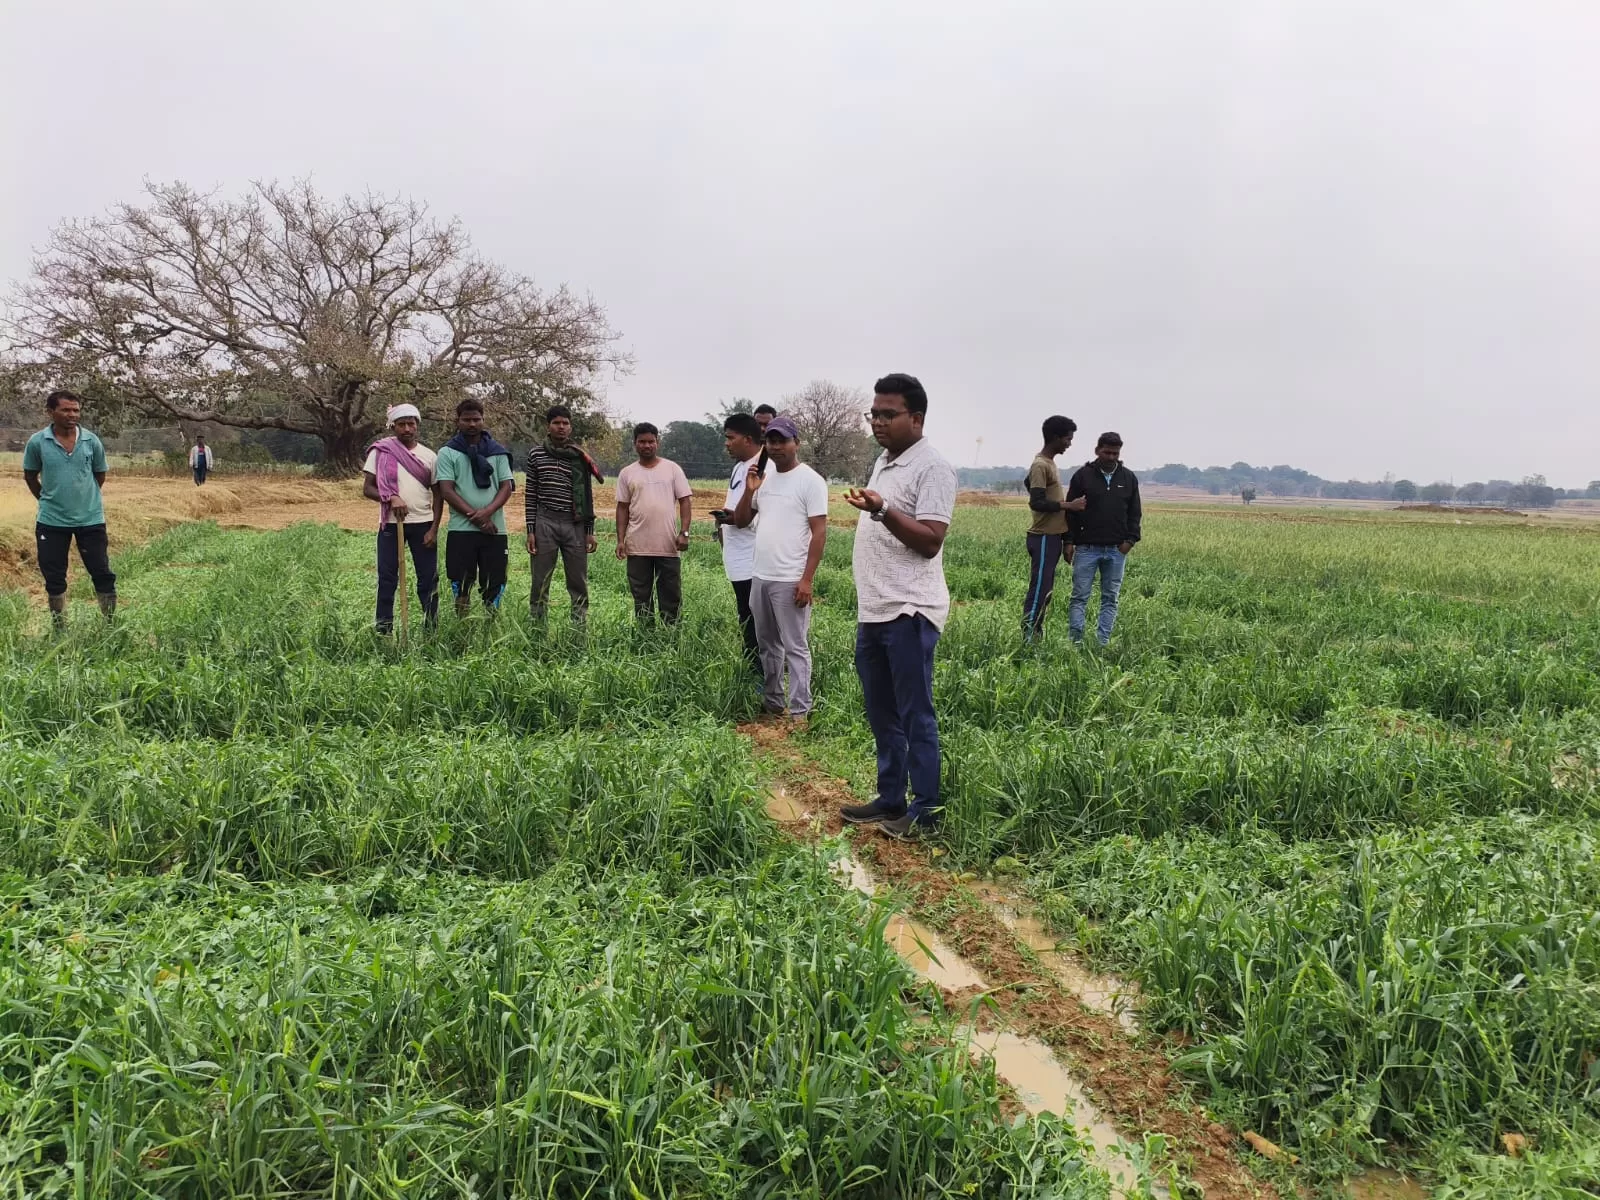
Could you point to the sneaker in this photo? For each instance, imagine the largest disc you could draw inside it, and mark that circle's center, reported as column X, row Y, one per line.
column 907, row 828
column 871, row 814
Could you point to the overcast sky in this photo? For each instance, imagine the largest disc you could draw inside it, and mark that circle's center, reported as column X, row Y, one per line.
column 1357, row 236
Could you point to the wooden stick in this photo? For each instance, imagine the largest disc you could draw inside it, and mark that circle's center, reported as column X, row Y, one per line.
column 405, row 598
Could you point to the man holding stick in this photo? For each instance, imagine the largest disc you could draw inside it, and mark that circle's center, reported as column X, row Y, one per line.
column 399, row 475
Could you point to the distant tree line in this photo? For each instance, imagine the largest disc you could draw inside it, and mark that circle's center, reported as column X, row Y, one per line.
column 1248, row 482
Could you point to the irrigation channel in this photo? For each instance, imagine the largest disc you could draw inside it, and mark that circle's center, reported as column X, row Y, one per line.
column 1026, row 1064
column 1033, row 1068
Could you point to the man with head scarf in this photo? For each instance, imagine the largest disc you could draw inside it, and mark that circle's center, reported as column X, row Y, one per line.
column 399, row 475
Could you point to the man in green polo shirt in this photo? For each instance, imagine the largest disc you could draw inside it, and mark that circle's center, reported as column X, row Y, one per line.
column 64, row 467
column 473, row 472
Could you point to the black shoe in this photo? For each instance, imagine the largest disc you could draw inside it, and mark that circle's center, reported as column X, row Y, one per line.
column 871, row 814
column 908, row 828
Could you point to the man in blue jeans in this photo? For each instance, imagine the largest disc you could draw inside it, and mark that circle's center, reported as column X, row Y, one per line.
column 902, row 604
column 1102, row 533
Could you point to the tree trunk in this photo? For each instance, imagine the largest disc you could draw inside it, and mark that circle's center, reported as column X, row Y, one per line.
column 343, row 450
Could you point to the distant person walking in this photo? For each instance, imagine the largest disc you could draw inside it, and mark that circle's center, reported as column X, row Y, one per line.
column 64, row 467
column 199, row 459
column 763, row 415
column 653, row 496
column 792, row 500
column 1047, row 536
column 399, row 474
column 741, row 437
column 474, row 474
column 559, row 507
column 1102, row 533
column 902, row 603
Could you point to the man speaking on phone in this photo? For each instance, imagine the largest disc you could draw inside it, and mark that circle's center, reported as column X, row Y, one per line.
column 741, row 437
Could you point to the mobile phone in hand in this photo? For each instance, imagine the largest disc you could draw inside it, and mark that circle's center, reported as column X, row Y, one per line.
column 761, row 463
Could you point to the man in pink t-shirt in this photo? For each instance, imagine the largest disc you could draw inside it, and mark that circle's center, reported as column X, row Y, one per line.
column 650, row 494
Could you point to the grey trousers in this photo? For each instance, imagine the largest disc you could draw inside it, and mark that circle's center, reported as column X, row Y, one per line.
column 553, row 533
column 782, row 629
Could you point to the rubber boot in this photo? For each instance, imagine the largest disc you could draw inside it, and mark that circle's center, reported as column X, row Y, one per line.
column 108, row 604
column 58, row 613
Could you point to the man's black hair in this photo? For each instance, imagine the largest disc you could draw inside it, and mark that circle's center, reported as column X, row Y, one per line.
column 469, row 405
column 1108, row 439
column 907, row 387
column 644, row 427
column 1059, row 427
column 743, row 423
column 60, row 394
column 766, row 408
column 557, row 410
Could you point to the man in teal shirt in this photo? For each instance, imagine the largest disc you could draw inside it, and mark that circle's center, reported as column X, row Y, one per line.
column 474, row 476
column 64, row 467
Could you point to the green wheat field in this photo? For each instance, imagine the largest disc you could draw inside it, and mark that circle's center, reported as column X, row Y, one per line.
column 290, row 910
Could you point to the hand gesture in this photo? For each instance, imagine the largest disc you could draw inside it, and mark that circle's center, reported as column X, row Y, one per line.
column 398, row 509
column 589, row 543
column 864, row 498
column 753, row 477
column 802, row 593
column 1078, row 505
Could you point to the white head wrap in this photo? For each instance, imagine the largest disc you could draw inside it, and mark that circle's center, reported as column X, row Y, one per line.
column 402, row 410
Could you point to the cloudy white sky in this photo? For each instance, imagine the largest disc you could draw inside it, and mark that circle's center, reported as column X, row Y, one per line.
column 1357, row 236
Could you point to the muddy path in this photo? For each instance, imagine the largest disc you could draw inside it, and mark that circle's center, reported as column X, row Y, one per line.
column 1127, row 1078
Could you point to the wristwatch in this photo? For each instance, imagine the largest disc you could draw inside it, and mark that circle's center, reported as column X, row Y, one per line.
column 877, row 513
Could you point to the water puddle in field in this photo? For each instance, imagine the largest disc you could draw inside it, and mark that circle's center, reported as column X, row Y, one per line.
column 1384, row 1184
column 1104, row 994
column 917, row 945
column 784, row 808
column 1043, row 1086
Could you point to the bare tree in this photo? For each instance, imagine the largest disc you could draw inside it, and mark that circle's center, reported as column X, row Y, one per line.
column 284, row 310
column 833, row 433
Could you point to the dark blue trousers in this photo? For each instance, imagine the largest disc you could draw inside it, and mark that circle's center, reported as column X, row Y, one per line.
column 895, row 662
column 424, row 565
column 1044, row 552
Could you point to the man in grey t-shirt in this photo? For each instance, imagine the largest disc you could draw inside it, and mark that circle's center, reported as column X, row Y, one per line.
column 902, row 604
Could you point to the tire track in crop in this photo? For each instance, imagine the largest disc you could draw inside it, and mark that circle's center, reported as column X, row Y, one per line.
column 1133, row 1084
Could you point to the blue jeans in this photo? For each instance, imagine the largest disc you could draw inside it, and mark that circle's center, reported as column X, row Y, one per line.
column 895, row 662
column 425, row 565
column 1086, row 560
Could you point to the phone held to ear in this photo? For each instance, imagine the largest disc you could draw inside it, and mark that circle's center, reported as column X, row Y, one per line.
column 761, row 464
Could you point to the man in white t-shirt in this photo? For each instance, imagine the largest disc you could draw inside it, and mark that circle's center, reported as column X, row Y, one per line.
column 399, row 474
column 793, row 505
column 741, row 437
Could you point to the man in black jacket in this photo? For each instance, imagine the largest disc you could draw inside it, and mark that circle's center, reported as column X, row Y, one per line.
column 1102, row 534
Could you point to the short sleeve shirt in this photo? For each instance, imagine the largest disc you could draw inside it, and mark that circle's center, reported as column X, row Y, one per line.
column 739, row 545
column 69, row 497
column 456, row 467
column 652, row 495
column 1043, row 474
column 788, row 500
column 414, row 494
column 893, row 580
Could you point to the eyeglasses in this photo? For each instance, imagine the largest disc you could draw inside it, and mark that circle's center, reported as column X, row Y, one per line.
column 884, row 414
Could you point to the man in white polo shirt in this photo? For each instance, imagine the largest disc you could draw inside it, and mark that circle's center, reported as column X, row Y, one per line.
column 902, row 604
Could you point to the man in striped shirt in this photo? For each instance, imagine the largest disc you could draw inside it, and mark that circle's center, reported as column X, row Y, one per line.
column 560, row 513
